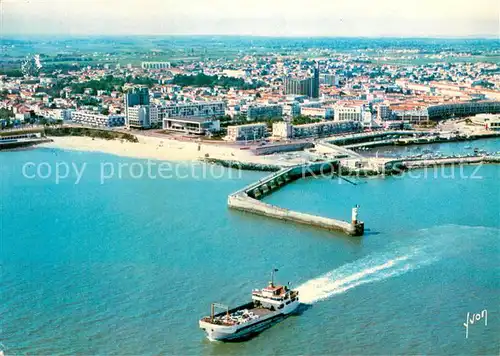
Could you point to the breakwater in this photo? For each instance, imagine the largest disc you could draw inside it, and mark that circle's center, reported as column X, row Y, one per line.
column 400, row 165
column 247, row 166
column 248, row 199
column 282, row 147
column 422, row 163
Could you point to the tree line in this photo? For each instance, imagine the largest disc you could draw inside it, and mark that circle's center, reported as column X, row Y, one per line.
column 110, row 83
column 203, row 80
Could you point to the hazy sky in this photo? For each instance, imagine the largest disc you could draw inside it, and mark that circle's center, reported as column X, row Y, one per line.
column 443, row 18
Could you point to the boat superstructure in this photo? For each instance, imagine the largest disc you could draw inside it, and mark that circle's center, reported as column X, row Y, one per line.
column 269, row 305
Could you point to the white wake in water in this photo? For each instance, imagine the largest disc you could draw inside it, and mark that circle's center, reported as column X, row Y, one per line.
column 369, row 269
column 428, row 246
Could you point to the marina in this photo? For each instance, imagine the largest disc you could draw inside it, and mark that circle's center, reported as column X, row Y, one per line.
column 489, row 146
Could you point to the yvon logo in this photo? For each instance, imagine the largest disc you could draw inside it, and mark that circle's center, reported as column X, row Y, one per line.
column 475, row 318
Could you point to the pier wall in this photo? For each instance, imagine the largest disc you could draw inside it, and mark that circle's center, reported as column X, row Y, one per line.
column 402, row 164
column 245, row 203
column 247, row 199
column 282, row 177
column 243, row 165
column 285, row 147
column 422, row 163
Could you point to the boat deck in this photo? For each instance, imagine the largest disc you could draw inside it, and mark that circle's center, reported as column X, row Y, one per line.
column 260, row 311
column 256, row 312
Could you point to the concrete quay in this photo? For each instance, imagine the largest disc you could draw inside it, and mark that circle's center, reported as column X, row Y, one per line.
column 282, row 147
column 247, row 199
column 248, row 166
column 422, row 163
column 365, row 137
column 417, row 163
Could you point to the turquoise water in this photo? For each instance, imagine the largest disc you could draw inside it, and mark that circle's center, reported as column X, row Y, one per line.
column 129, row 266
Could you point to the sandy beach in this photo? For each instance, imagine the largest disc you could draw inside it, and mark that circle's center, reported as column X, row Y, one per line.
column 157, row 148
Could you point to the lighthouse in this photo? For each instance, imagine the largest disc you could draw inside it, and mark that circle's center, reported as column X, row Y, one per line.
column 355, row 215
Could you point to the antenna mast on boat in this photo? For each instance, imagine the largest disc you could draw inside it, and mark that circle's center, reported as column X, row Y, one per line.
column 272, row 276
column 212, row 310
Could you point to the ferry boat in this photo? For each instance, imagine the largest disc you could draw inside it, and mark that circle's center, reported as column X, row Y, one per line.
column 269, row 306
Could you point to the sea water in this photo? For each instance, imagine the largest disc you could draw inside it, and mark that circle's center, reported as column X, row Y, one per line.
column 129, row 265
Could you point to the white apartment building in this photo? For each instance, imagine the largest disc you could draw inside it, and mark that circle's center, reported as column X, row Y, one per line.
column 320, row 129
column 211, row 109
column 321, row 112
column 383, row 112
column 347, row 113
column 62, row 114
column 282, row 129
column 97, row 120
column 154, row 117
column 192, row 125
column 257, row 112
column 138, row 117
column 329, row 79
column 291, row 109
column 249, row 132
column 368, row 119
column 155, row 65
column 412, row 116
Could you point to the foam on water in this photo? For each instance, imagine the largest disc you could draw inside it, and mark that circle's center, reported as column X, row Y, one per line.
column 429, row 247
column 370, row 269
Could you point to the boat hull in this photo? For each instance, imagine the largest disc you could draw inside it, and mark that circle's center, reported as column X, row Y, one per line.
column 243, row 333
column 246, row 331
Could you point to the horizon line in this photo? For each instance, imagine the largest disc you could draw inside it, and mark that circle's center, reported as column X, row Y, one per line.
column 451, row 37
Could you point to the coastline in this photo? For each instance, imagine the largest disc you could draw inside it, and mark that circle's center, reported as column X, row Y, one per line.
column 156, row 148
column 166, row 149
